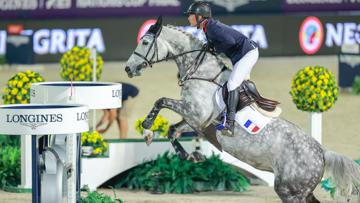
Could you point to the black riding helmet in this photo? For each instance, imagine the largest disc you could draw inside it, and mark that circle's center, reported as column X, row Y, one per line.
column 199, row 8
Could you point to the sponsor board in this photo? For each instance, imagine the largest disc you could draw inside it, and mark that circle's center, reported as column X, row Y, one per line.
column 86, row 8
column 319, row 5
column 314, row 34
column 116, row 38
column 58, row 41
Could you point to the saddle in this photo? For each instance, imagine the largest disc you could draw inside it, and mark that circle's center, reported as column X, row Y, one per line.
column 248, row 94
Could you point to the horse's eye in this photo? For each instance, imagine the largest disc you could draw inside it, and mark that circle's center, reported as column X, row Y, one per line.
column 145, row 42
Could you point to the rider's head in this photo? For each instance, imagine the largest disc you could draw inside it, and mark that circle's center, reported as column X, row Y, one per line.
column 198, row 12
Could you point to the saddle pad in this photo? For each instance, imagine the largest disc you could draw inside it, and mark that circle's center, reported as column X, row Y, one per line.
column 251, row 120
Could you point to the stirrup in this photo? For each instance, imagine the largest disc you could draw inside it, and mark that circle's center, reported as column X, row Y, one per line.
column 222, row 125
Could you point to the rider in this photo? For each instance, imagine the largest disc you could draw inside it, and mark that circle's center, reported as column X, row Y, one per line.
column 242, row 51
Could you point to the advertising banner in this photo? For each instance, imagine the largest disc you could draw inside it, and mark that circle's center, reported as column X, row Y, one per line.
column 87, row 8
column 239, row 6
column 320, row 5
column 116, row 38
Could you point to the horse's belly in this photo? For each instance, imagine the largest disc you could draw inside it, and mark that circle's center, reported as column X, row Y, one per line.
column 247, row 151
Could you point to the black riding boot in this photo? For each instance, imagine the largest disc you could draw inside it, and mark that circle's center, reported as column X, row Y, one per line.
column 232, row 102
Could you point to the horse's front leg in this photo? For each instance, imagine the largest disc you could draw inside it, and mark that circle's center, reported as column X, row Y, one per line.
column 172, row 104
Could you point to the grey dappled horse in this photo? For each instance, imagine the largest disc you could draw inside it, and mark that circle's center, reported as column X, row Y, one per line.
column 296, row 159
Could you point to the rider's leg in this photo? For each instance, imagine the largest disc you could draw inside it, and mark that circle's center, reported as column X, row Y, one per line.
column 232, row 102
column 240, row 71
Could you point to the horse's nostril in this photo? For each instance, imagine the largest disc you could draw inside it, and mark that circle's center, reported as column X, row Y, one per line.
column 127, row 69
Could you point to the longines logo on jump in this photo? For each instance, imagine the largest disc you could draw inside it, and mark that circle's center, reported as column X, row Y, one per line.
column 34, row 120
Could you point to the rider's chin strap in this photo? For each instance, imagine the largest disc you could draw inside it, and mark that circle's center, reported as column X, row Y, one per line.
column 198, row 23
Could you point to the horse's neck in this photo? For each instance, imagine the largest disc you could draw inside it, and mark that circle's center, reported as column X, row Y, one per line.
column 179, row 43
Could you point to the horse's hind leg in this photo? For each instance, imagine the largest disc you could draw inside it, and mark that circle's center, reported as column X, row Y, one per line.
column 296, row 190
column 174, row 133
column 288, row 195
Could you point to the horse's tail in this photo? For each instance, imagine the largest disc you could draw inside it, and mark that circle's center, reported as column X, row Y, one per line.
column 344, row 172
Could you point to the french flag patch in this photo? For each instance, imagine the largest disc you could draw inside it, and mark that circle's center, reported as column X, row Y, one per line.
column 251, row 126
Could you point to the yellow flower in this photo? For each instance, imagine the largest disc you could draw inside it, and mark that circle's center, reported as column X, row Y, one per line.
column 314, row 79
column 24, row 91
column 14, row 91
column 322, row 93
column 19, row 84
column 326, row 81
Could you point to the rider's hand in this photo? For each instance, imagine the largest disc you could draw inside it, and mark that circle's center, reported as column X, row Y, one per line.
column 208, row 47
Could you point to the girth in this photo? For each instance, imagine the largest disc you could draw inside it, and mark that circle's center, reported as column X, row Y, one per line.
column 248, row 95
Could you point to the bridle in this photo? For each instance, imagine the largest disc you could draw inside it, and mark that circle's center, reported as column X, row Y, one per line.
column 192, row 67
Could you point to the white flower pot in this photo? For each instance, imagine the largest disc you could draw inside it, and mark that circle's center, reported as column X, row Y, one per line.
column 87, row 150
column 316, row 126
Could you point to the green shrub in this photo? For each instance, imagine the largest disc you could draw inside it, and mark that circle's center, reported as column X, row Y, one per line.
column 10, row 167
column 12, row 140
column 10, row 160
column 96, row 197
column 356, row 85
column 169, row 174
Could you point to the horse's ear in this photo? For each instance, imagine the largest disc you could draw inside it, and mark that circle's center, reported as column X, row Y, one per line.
column 156, row 28
column 159, row 21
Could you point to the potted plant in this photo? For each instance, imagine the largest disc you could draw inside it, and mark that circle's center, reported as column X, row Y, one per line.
column 314, row 89
column 77, row 65
column 17, row 89
column 93, row 144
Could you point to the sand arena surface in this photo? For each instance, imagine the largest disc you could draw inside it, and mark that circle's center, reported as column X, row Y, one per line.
column 273, row 79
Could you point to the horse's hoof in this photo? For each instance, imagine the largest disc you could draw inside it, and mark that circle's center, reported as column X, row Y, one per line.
column 227, row 133
column 146, row 124
column 196, row 157
column 148, row 136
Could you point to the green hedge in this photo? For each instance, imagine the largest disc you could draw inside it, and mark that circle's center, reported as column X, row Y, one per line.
column 169, row 174
column 10, row 166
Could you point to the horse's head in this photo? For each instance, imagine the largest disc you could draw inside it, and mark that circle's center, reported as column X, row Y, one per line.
column 150, row 50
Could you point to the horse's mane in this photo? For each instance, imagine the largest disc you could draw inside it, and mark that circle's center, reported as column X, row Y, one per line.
column 220, row 59
column 197, row 41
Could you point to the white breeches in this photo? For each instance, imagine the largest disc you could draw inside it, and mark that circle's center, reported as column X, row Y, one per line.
column 242, row 69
